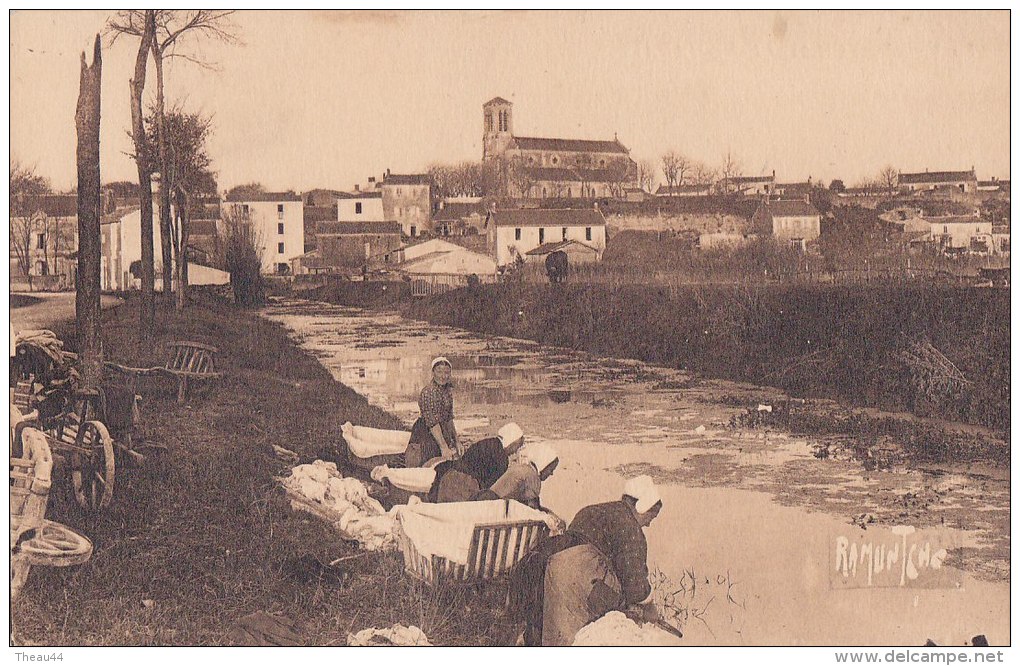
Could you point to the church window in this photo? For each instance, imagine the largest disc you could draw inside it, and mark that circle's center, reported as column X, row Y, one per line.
column 602, row 163
column 541, row 235
column 517, row 233
column 357, row 208
column 531, row 159
column 569, row 193
column 555, row 160
column 488, row 121
column 587, row 233
column 564, row 233
column 544, row 193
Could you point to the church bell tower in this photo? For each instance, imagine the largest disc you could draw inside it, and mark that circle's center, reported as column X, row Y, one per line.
column 498, row 127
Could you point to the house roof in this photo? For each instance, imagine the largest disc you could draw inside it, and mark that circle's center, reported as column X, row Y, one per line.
column 791, row 209
column 548, row 248
column 359, row 195
column 497, row 100
column 333, row 228
column 569, row 145
column 457, row 210
column 751, row 179
column 407, row 179
column 265, row 196
column 574, row 174
column 678, row 189
column 936, row 177
column 548, row 217
column 53, row 205
column 954, row 219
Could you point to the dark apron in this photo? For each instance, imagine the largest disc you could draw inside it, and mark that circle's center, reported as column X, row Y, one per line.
column 422, row 446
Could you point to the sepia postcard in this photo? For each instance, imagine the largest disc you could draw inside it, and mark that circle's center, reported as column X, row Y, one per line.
column 513, row 329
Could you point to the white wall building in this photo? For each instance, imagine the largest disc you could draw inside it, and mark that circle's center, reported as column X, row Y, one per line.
column 360, row 207
column 278, row 219
column 513, row 233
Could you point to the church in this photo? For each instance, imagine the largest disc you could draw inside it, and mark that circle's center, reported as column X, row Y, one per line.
column 555, row 168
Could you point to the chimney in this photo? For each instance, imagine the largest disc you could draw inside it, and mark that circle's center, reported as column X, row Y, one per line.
column 387, row 173
column 371, row 179
column 357, row 188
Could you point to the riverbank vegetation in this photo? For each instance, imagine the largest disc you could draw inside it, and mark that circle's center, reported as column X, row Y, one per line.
column 201, row 535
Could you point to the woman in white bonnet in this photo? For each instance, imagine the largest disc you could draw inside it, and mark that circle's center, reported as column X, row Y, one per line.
column 434, row 434
column 607, row 570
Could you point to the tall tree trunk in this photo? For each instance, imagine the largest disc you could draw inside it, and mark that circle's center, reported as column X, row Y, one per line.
column 144, row 163
column 86, row 305
column 182, row 251
column 166, row 233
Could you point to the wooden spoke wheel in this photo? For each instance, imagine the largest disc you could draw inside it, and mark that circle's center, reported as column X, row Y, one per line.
column 93, row 466
column 56, row 545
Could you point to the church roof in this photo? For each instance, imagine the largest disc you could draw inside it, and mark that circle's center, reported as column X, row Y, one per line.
column 569, row 145
column 496, row 100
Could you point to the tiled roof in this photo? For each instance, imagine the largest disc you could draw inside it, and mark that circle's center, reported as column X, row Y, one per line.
column 496, row 100
column 741, row 180
column 265, row 196
column 457, row 210
column 320, row 214
column 681, row 189
column 548, row 248
column 53, row 205
column 574, row 174
column 356, row 228
column 791, row 209
column 935, row 177
column 359, row 195
column 548, row 217
column 569, row 145
column 954, row 219
column 407, row 179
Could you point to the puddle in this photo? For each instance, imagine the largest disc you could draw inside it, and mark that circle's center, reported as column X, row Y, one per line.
column 753, row 513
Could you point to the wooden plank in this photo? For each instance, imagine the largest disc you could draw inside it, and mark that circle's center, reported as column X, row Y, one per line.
column 506, row 546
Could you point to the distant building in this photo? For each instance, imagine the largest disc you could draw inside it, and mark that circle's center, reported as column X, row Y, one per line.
column 407, row 198
column 347, row 246
column 793, row 190
column 436, row 257
column 360, row 207
column 576, row 251
column 459, row 218
column 513, row 233
column 961, row 232
column 796, row 221
column 321, row 197
column 122, row 249
column 44, row 239
column 749, row 185
column 683, row 191
column 278, row 220
column 555, row 168
column 1000, row 239
column 963, row 181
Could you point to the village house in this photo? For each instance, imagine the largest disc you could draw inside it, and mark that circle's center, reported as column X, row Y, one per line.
column 459, row 216
column 513, row 233
column 963, row 181
column 44, row 241
column 961, row 232
column 407, row 198
column 749, row 185
column 360, row 207
column 348, row 247
column 1000, row 239
column 313, row 216
column 796, row 221
column 279, row 224
column 555, row 168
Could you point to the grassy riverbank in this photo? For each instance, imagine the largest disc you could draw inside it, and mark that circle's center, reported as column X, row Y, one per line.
column 201, row 535
column 843, row 343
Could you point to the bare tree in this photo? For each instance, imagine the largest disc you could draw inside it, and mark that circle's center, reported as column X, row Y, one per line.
column 87, row 309
column 729, row 169
column 702, row 174
column 646, row 175
column 671, row 169
column 889, row 178
column 24, row 185
column 521, row 177
column 141, row 24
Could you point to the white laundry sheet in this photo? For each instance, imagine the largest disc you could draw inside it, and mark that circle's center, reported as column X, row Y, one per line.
column 446, row 529
column 615, row 628
column 366, row 442
column 411, row 479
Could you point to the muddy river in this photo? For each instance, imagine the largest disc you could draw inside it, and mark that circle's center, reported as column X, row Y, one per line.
column 759, row 542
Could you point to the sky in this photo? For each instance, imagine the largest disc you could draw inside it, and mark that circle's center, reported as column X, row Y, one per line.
column 326, row 99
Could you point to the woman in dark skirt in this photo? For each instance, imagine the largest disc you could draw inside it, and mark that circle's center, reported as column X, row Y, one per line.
column 433, row 434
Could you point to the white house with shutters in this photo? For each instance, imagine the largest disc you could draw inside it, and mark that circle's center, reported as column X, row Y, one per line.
column 514, row 233
column 278, row 219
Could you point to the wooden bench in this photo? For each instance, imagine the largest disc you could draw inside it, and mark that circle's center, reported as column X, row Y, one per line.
column 186, row 362
column 35, row 540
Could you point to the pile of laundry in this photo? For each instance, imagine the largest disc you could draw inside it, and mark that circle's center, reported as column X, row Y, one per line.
column 321, row 489
column 398, row 635
column 615, row 628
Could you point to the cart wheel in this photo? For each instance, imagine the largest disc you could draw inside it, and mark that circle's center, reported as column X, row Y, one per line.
column 57, row 545
column 92, row 466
